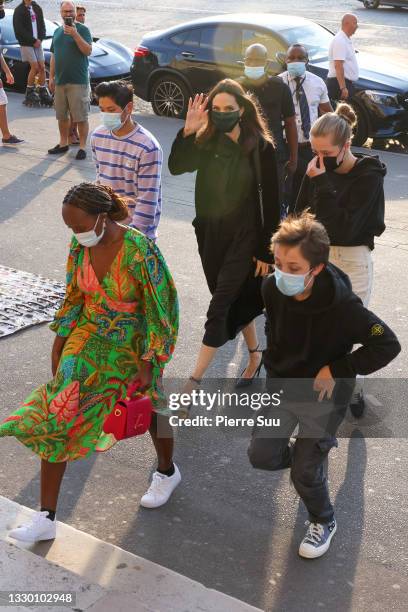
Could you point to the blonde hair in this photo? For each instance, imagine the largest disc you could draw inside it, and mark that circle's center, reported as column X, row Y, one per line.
column 339, row 125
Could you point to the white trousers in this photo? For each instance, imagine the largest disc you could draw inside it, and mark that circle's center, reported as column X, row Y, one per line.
column 357, row 263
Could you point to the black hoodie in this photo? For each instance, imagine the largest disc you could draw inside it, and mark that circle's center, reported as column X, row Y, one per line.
column 350, row 206
column 303, row 336
column 23, row 27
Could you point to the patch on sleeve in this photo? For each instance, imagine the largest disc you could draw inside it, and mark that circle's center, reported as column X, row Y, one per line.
column 377, row 330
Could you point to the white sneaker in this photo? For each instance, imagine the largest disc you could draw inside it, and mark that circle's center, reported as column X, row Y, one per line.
column 41, row 528
column 160, row 489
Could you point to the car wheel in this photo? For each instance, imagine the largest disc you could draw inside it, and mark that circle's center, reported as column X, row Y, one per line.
column 169, row 97
column 371, row 4
column 361, row 131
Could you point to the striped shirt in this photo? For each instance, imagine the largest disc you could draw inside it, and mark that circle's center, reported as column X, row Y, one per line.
column 131, row 165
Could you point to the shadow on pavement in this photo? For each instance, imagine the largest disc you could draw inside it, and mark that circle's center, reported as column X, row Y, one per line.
column 316, row 582
column 12, row 205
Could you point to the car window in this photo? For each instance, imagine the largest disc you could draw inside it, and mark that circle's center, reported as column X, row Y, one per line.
column 192, row 38
column 7, row 36
column 178, row 38
column 50, row 28
column 220, row 40
column 315, row 38
column 250, row 37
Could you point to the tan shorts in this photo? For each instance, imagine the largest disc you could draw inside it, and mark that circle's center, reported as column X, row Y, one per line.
column 72, row 99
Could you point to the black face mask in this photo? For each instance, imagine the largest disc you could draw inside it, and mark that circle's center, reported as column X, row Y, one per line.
column 331, row 163
column 225, row 122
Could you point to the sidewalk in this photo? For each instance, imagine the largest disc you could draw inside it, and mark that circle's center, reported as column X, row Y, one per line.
column 228, row 526
column 104, row 577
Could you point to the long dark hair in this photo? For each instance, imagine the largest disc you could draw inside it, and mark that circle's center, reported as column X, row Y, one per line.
column 253, row 124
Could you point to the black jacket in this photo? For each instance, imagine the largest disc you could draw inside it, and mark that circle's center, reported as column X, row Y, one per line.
column 23, row 28
column 350, row 206
column 304, row 336
column 221, row 166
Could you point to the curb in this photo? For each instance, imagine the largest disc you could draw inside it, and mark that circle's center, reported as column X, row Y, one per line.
column 104, row 576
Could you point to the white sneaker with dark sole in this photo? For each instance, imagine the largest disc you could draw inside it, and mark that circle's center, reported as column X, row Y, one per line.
column 160, row 489
column 41, row 528
column 317, row 539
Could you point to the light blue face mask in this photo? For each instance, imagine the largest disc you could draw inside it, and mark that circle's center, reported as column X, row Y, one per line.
column 291, row 284
column 254, row 72
column 296, row 69
column 112, row 121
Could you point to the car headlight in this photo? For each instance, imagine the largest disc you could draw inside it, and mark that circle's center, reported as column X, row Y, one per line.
column 384, row 98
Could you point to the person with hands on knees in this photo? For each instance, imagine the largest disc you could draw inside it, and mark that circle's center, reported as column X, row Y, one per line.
column 345, row 191
column 117, row 325
column 313, row 319
column 226, row 141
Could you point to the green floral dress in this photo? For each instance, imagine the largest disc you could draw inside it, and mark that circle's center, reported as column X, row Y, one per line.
column 110, row 327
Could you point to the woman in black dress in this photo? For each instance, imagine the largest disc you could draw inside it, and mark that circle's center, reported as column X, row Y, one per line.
column 226, row 141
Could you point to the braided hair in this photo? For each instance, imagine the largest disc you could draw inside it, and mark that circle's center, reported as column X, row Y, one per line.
column 95, row 199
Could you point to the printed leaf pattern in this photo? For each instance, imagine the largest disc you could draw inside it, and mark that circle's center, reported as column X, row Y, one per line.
column 66, row 404
column 132, row 315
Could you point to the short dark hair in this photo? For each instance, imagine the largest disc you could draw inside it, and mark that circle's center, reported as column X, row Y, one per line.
column 120, row 92
column 81, row 8
column 299, row 46
column 308, row 234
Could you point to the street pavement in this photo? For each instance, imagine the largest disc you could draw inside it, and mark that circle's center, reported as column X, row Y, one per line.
column 99, row 576
column 383, row 32
column 227, row 526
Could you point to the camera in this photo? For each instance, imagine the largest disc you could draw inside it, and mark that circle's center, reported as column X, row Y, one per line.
column 69, row 21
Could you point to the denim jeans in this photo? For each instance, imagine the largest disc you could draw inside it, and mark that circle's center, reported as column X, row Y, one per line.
column 306, row 457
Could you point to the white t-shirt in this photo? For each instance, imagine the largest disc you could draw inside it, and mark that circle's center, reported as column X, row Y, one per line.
column 342, row 48
column 33, row 22
column 316, row 94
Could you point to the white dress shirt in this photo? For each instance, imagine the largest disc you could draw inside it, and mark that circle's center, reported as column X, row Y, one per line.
column 316, row 93
column 342, row 48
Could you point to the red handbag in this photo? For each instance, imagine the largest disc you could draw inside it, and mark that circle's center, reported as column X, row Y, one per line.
column 131, row 416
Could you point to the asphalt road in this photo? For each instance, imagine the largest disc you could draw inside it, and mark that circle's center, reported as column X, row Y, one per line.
column 227, row 525
column 384, row 32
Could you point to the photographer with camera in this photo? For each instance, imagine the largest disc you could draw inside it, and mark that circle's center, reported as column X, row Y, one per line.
column 69, row 78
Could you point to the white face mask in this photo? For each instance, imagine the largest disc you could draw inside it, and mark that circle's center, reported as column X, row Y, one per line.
column 254, row 72
column 113, row 121
column 90, row 239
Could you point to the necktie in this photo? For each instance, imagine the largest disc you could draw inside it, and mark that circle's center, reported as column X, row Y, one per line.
column 304, row 107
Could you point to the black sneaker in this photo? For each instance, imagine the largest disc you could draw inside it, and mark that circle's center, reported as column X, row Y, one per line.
column 317, row 539
column 13, row 140
column 58, row 150
column 81, row 154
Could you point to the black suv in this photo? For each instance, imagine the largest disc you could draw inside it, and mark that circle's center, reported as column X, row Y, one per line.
column 171, row 65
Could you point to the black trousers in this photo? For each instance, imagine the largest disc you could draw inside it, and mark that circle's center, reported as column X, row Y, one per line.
column 306, row 457
column 333, row 88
